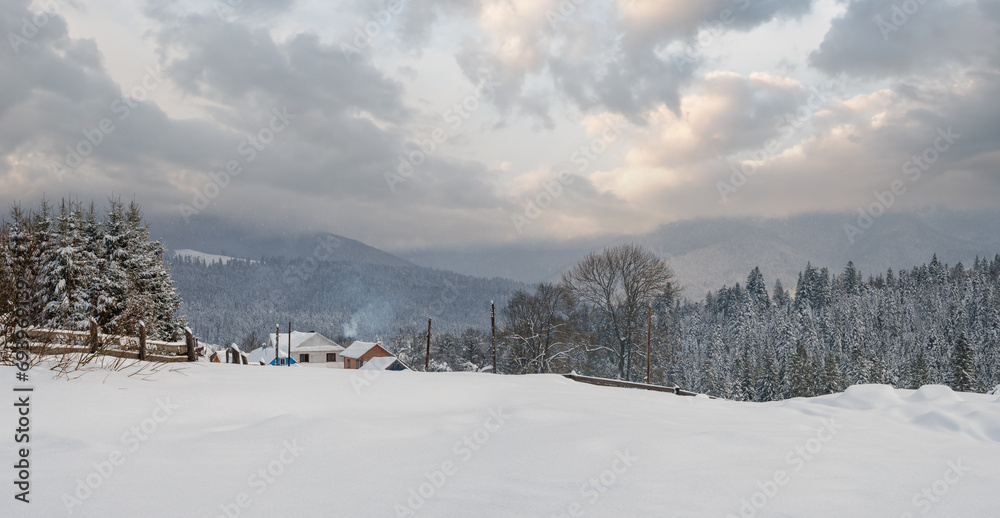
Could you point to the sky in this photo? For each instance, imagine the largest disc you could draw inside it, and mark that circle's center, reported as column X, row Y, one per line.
column 433, row 123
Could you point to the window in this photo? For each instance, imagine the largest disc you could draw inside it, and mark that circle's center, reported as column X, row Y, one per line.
column 303, row 358
column 331, row 357
column 361, row 363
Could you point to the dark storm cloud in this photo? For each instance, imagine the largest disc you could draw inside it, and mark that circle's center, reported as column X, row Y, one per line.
column 350, row 118
column 347, row 128
column 234, row 63
column 55, row 94
column 892, row 38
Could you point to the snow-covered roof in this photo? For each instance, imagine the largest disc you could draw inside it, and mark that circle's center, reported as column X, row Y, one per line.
column 266, row 354
column 358, row 349
column 306, row 342
column 379, row 364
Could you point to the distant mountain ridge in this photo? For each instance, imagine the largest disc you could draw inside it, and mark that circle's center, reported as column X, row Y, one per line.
column 215, row 238
column 706, row 254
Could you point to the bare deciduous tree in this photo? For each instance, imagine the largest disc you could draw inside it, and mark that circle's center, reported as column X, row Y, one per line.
column 536, row 326
column 619, row 283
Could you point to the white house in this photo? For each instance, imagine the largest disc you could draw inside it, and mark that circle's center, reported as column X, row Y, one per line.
column 312, row 349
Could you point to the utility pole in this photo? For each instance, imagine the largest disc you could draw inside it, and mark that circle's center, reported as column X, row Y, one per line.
column 649, row 337
column 289, row 344
column 427, row 359
column 493, row 333
column 277, row 341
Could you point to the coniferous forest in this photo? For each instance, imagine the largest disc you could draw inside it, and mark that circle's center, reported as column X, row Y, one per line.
column 78, row 265
column 932, row 324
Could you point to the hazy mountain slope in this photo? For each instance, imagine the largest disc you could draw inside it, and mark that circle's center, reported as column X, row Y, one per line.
column 224, row 302
column 211, row 236
column 528, row 265
column 709, row 253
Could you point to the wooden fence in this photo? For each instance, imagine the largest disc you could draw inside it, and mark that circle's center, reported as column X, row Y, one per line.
column 604, row 382
column 60, row 341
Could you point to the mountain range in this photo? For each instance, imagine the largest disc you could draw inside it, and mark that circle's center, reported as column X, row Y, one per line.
column 389, row 289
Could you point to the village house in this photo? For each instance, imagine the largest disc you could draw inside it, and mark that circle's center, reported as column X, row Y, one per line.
column 311, row 349
column 265, row 356
column 385, row 363
column 360, row 353
column 231, row 354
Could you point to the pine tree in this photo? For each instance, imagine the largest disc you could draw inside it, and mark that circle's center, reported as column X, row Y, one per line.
column 920, row 374
column 963, row 375
column 780, row 296
column 801, row 374
column 757, row 290
column 72, row 271
column 852, row 279
column 833, row 380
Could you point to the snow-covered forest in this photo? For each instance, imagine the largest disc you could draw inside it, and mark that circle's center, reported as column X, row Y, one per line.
column 932, row 324
column 78, row 265
column 228, row 303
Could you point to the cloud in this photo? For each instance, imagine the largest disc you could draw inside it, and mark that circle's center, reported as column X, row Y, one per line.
column 688, row 113
column 888, row 38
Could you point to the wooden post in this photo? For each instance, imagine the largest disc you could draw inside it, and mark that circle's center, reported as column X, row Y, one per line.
column 649, row 337
column 93, row 336
column 493, row 333
column 289, row 362
column 427, row 359
column 189, row 338
column 142, row 340
column 277, row 341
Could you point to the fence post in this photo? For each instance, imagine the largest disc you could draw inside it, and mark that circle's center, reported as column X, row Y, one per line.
column 142, row 341
column 189, row 338
column 93, row 336
column 427, row 359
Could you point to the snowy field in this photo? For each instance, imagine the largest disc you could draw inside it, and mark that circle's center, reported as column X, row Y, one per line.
column 235, row 441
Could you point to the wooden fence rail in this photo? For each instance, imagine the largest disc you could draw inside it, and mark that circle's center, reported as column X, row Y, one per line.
column 604, row 382
column 61, row 341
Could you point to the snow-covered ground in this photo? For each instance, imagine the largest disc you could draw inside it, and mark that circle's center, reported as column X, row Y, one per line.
column 226, row 440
